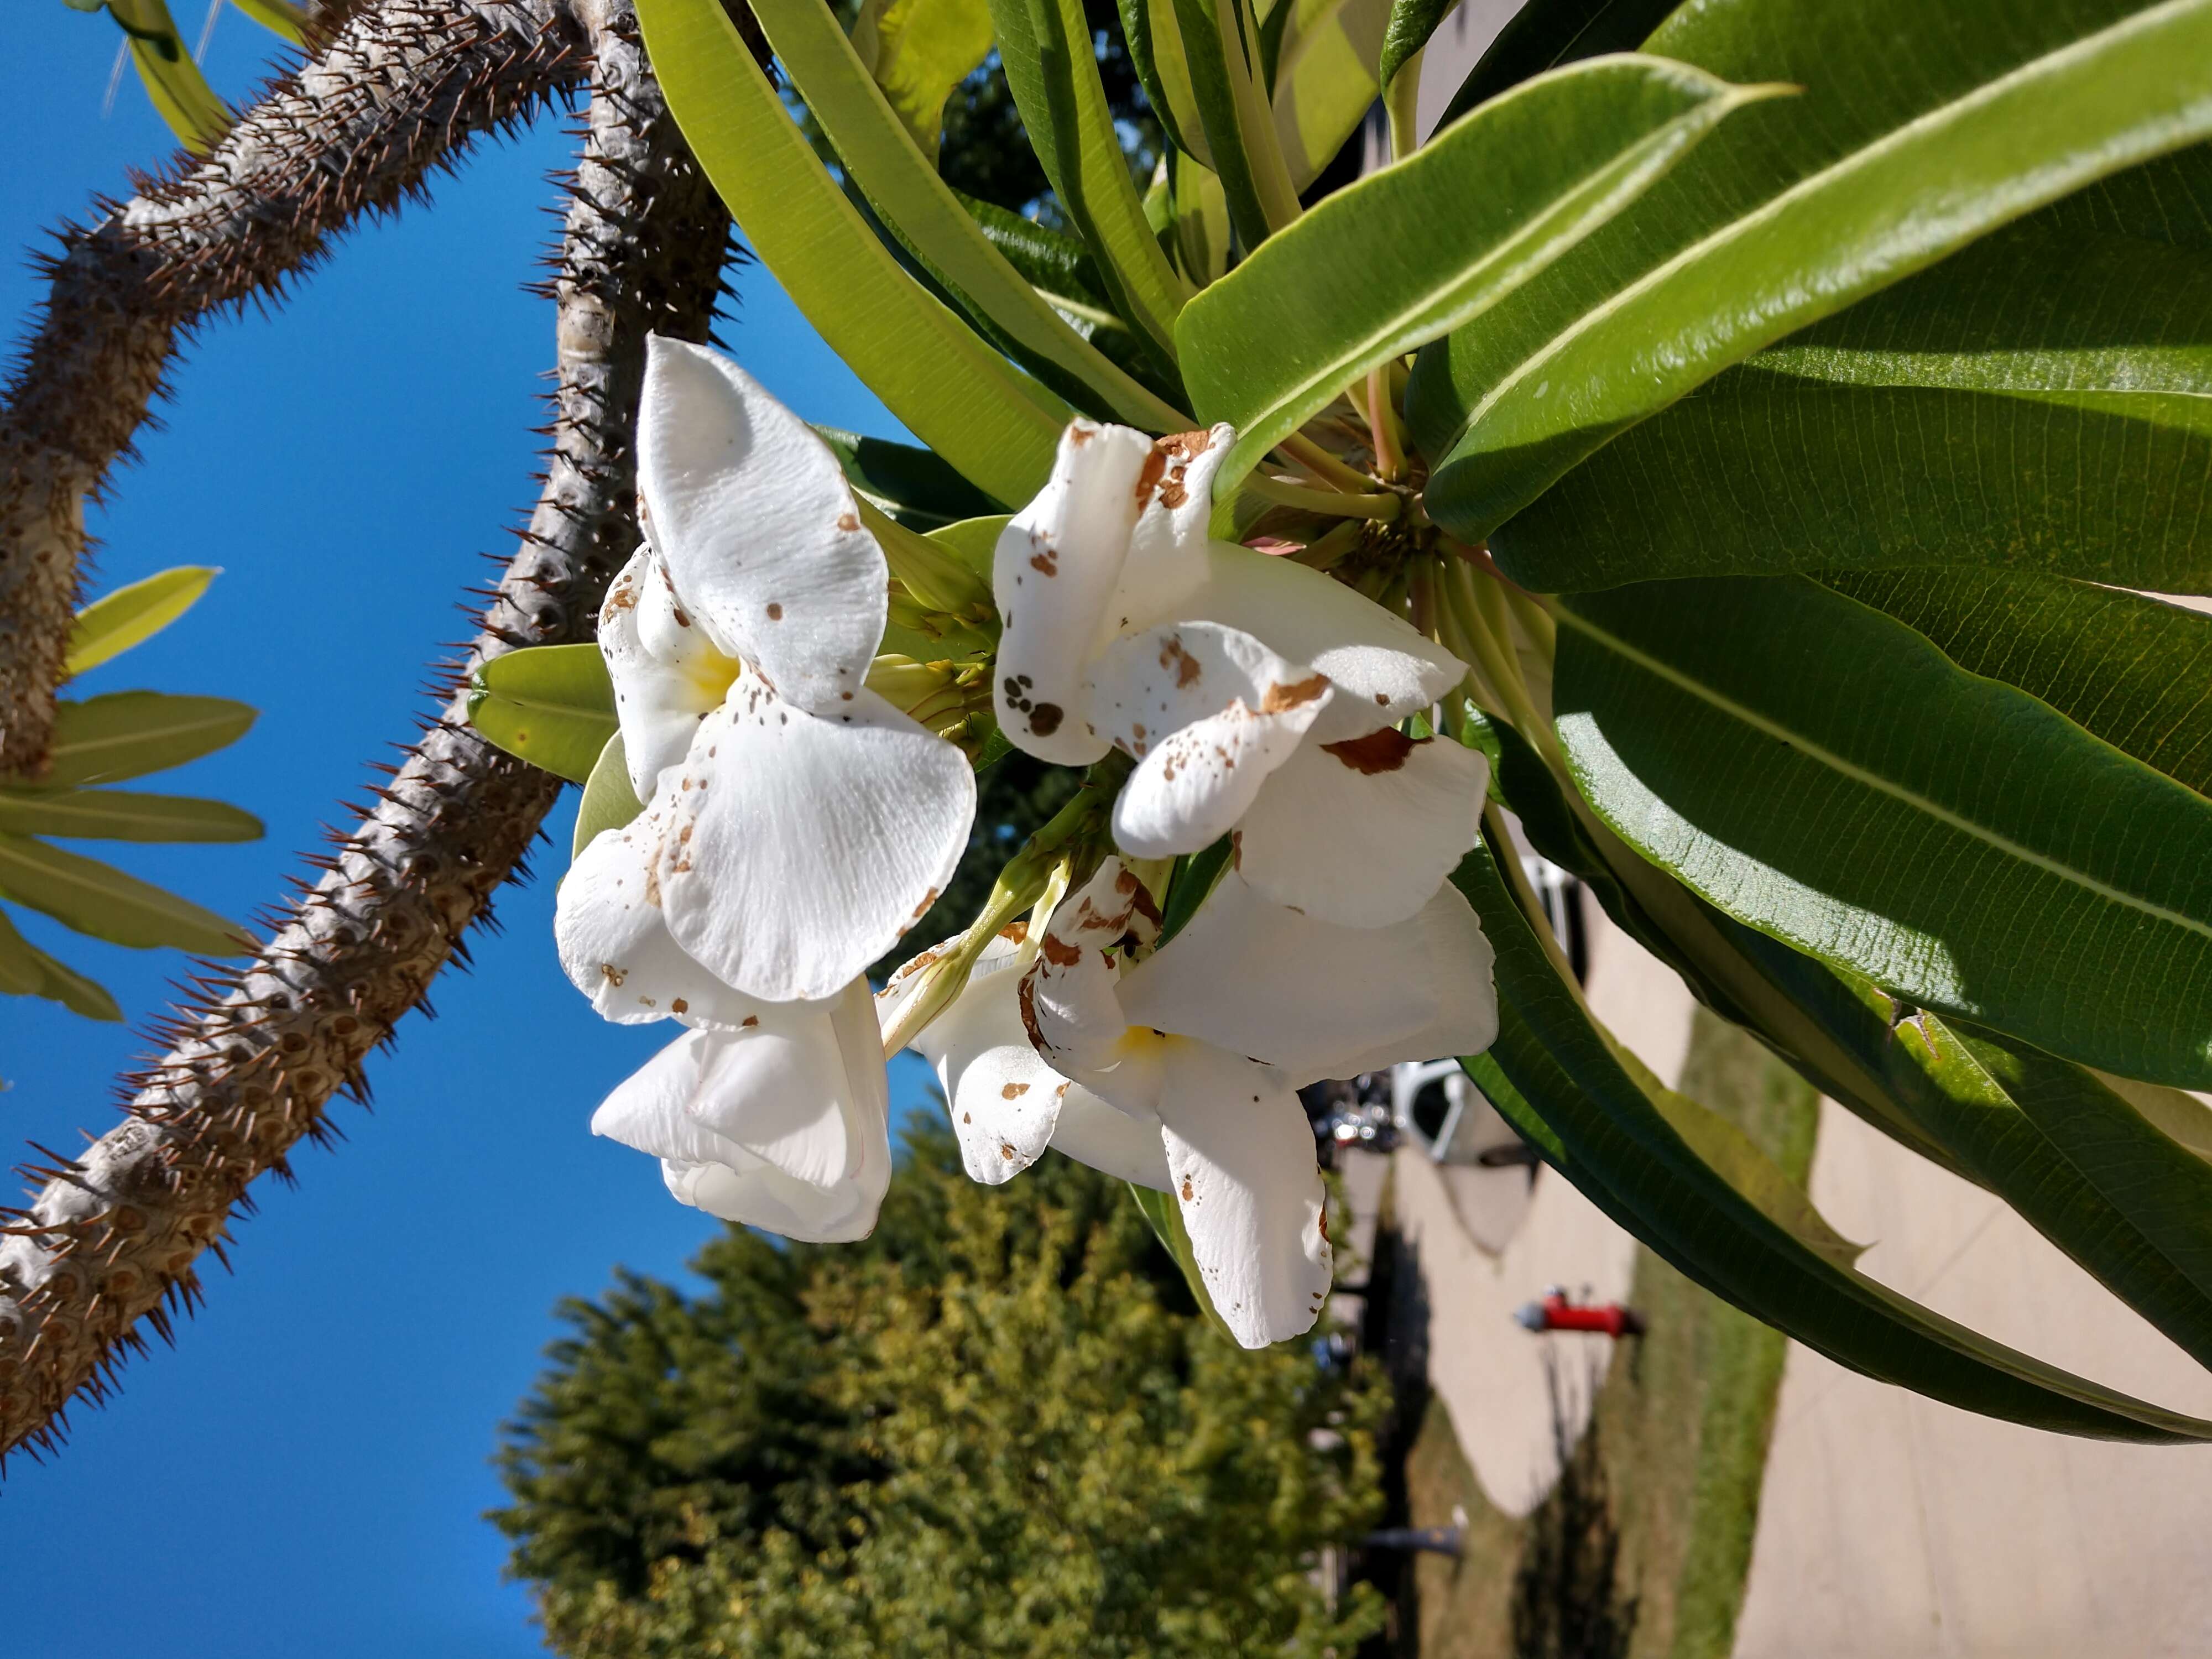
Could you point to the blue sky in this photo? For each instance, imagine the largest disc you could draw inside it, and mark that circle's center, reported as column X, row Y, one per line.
column 304, row 1472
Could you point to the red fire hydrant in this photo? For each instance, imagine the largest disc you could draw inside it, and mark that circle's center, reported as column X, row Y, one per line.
column 1556, row 1313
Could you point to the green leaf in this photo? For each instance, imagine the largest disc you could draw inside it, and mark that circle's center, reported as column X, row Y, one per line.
column 917, row 51
column 1324, row 78
column 1546, row 34
column 1193, row 878
column 1045, row 46
column 280, row 16
column 111, row 625
column 98, row 899
column 914, row 485
column 2039, row 401
column 2131, row 670
column 1558, row 1080
column 948, row 387
column 903, row 185
column 551, row 705
column 1242, row 147
column 27, row 971
column 1200, row 230
column 179, row 93
column 1529, row 175
column 127, row 734
column 2184, row 1119
column 1878, row 177
column 1821, row 772
column 1412, row 23
column 608, row 801
column 1154, row 41
column 122, row 815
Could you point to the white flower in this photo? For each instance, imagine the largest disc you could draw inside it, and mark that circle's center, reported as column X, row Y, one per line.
column 781, row 1125
column 1181, row 1071
column 797, row 824
column 1256, row 695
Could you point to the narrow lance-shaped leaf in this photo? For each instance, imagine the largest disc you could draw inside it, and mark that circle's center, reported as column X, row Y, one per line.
column 904, row 186
column 551, row 705
column 123, row 815
column 98, row 899
column 27, row 971
column 135, row 612
column 2041, row 401
column 1375, row 270
column 173, row 81
column 919, row 487
column 947, row 387
column 1557, row 1079
column 2134, row 670
column 127, row 734
column 1820, row 771
column 1153, row 38
column 1045, row 46
column 1325, row 78
column 1241, row 144
column 1994, row 124
column 608, row 801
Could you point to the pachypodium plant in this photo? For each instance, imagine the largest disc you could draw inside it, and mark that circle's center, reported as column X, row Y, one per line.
column 1742, row 441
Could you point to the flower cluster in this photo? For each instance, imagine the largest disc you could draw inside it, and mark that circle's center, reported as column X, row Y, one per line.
column 796, row 823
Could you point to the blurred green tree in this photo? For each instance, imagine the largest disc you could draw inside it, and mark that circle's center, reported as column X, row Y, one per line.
column 998, row 1426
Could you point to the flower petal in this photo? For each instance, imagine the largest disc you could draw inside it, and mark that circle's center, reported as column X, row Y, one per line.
column 647, row 1109
column 667, row 673
column 1066, row 998
column 1167, row 560
column 613, row 939
column 778, row 1090
column 1382, row 668
column 1240, row 1158
column 1317, row 999
column 1004, row 1099
column 801, row 847
column 1209, row 712
column 1056, row 567
column 1362, row 832
column 1090, row 1131
column 758, row 525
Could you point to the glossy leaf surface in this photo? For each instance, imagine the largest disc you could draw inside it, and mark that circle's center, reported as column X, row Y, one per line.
column 948, row 387
column 2040, row 402
column 918, row 488
column 1877, row 176
column 1546, row 34
column 917, row 51
column 1820, row 771
column 1528, row 177
column 1557, row 1079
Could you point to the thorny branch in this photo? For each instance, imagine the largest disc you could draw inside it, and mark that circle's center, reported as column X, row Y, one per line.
column 113, row 1237
column 400, row 89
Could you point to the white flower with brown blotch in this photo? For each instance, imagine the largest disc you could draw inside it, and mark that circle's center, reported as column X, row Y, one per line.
column 1178, row 1068
column 1256, row 695
column 796, row 823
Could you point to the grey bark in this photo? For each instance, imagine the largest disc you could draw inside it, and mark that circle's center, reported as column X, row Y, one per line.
column 399, row 87
column 110, row 1244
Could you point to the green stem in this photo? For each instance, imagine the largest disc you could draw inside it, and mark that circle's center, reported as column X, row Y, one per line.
column 1381, row 506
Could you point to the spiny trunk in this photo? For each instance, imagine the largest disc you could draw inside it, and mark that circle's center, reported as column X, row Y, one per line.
column 397, row 90
column 115, row 1232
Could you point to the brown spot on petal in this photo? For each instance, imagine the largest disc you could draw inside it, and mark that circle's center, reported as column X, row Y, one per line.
column 1186, row 1189
column 922, row 908
column 613, row 975
column 1025, row 996
column 678, row 1005
column 1016, row 931
column 848, row 522
column 1155, row 468
column 1013, row 1090
column 1378, row 752
column 751, row 1020
column 964, row 1118
column 776, row 613
column 1006, row 1151
column 1184, row 667
column 1282, row 697
column 1079, row 435
column 1142, row 901
column 1058, row 954
column 1045, row 719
